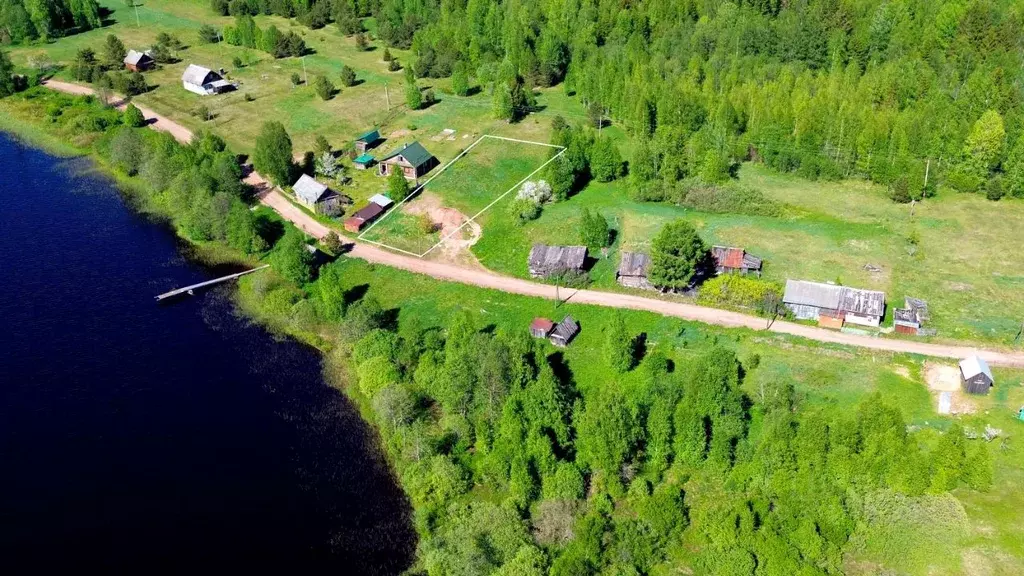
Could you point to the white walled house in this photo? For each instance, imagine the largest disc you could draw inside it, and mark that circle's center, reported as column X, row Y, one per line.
column 204, row 81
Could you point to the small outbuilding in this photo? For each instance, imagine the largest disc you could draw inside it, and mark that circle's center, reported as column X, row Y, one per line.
column 541, row 327
column 412, row 159
column 138, row 61
column 633, row 268
column 564, row 332
column 975, row 375
column 546, row 261
column 815, row 300
column 317, row 197
column 363, row 217
column 363, row 161
column 367, row 141
column 905, row 321
column 729, row 260
column 204, row 81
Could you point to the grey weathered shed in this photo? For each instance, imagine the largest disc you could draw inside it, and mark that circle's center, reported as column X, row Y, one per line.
column 735, row 260
column 809, row 300
column 975, row 375
column 564, row 332
column 547, row 260
column 633, row 268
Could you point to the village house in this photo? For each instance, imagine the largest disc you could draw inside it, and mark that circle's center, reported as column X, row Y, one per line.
column 975, row 375
column 832, row 305
column 413, row 159
column 633, row 270
column 204, row 81
column 317, row 197
column 367, row 141
column 564, row 332
column 541, row 327
column 546, row 261
column 729, row 260
column 138, row 61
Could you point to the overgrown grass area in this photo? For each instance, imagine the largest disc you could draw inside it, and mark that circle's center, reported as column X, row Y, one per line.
column 474, row 181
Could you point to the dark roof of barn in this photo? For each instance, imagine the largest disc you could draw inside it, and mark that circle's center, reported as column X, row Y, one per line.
column 634, row 264
column 368, row 212
column 413, row 152
column 566, row 329
column 543, row 256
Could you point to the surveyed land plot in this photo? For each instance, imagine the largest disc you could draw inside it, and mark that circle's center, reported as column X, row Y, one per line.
column 466, row 191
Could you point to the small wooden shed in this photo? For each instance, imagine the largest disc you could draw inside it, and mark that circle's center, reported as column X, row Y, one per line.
column 541, row 327
column 729, row 260
column 367, row 141
column 365, row 215
column 975, row 375
column 363, row 161
column 563, row 334
column 633, row 270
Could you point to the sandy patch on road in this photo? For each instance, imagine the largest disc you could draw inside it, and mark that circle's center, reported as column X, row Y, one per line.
column 456, row 238
column 946, row 378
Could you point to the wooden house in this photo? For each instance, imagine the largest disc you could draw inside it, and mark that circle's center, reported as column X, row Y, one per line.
column 729, row 260
column 138, row 61
column 412, row 159
column 905, row 321
column 633, row 268
column 204, row 81
column 367, row 141
column 317, row 197
column 541, row 327
column 815, row 301
column 564, row 332
column 546, row 261
column 363, row 217
column 975, row 376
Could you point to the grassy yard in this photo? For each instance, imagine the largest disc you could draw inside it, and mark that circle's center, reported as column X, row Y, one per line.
column 490, row 168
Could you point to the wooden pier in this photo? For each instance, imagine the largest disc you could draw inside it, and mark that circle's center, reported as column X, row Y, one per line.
column 189, row 289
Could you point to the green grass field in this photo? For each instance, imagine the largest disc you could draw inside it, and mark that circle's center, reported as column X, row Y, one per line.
column 489, row 169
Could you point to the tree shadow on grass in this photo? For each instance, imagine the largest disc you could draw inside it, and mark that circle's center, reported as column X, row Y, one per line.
column 355, row 294
column 270, row 230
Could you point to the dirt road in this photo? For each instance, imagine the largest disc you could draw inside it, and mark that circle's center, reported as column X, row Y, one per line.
column 273, row 198
column 156, row 121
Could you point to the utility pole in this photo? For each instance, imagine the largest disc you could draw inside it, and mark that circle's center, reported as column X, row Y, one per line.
column 135, row 3
column 387, row 96
column 305, row 78
column 927, row 167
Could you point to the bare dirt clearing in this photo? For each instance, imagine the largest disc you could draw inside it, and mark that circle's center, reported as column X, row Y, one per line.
column 944, row 378
column 456, row 237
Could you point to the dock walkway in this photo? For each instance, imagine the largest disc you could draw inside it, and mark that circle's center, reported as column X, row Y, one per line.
column 189, row 289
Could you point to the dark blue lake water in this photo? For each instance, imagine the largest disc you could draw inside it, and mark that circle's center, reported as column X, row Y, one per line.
column 142, row 438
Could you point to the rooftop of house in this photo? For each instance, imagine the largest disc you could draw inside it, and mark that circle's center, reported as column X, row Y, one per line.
column 566, row 329
column 370, row 137
column 833, row 297
column 634, row 264
column 309, row 189
column 134, row 57
column 904, row 315
column 542, row 324
column 413, row 152
column 731, row 257
column 363, row 159
column 368, row 212
column 196, row 74
column 973, row 366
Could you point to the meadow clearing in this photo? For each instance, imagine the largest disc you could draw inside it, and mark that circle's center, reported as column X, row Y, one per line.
column 955, row 251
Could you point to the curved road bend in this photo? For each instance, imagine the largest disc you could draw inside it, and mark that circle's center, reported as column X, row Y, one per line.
column 273, row 198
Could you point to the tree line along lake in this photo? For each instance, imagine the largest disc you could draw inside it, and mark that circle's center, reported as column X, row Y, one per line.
column 145, row 438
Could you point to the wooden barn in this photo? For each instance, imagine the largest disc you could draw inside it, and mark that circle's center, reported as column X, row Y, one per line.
column 362, row 217
column 905, row 321
column 317, row 197
column 975, row 376
column 138, row 61
column 412, row 159
column 541, row 327
column 546, row 261
column 564, row 332
column 814, row 301
column 633, row 270
column 729, row 260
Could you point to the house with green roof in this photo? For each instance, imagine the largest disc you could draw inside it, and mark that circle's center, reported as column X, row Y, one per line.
column 412, row 159
column 366, row 141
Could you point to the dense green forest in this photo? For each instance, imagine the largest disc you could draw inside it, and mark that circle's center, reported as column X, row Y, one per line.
column 26, row 20
column 910, row 93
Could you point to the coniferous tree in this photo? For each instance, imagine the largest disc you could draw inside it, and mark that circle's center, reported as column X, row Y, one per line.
column 677, row 253
column 273, row 154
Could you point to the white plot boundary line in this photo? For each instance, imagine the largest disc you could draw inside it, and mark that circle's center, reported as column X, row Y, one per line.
column 561, row 150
